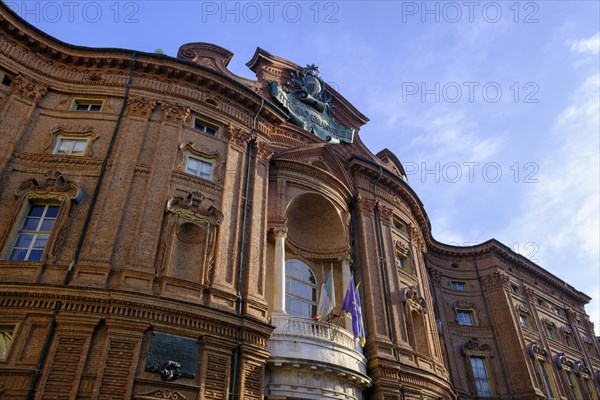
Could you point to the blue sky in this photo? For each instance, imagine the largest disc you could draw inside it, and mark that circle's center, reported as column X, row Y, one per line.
column 493, row 107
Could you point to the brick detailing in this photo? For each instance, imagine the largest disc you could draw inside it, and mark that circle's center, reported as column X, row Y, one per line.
column 64, row 367
column 253, row 382
column 216, row 377
column 119, row 365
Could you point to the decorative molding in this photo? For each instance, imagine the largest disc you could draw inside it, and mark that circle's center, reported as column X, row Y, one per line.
column 163, row 394
column 264, row 151
column 28, row 88
column 86, row 133
column 462, row 305
column 549, row 322
column 582, row 369
column 436, row 276
column 55, row 186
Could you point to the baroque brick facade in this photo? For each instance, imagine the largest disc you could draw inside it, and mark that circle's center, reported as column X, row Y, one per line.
column 152, row 208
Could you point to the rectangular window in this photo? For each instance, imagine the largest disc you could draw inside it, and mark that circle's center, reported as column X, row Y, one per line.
column 465, row 317
column 34, row 233
column 523, row 320
column 71, row 147
column 572, row 385
column 550, row 332
column 6, row 339
column 458, row 285
column 202, row 126
column 588, row 389
column 200, row 168
column 514, row 289
column 400, row 261
column 557, row 311
column 546, row 379
column 481, row 376
column 87, row 105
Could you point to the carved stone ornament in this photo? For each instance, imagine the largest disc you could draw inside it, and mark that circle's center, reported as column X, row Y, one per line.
column 28, row 88
column 562, row 362
column 189, row 148
column 497, row 279
column 175, row 112
column 309, row 105
column 264, row 151
column 140, row 106
column 436, row 276
column 537, row 351
column 401, row 247
column 462, row 305
column 169, row 371
column 473, row 347
column 549, row 322
column 190, row 208
column 410, row 296
column 566, row 330
column 162, row 394
column 237, row 136
column 55, row 186
column 522, row 308
column 582, row 369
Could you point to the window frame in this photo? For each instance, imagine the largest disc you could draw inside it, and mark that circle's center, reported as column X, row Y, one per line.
column 477, row 379
column 292, row 298
column 201, row 161
column 206, row 125
column 464, row 311
column 62, row 138
column 458, row 285
column 35, row 234
column 89, row 102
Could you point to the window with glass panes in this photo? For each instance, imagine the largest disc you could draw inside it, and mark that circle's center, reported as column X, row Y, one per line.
column 546, row 379
column 198, row 167
column 480, row 374
column 72, row 147
column 87, row 105
column 300, row 290
column 572, row 385
column 458, row 285
column 465, row 317
column 33, row 235
column 202, row 126
column 523, row 320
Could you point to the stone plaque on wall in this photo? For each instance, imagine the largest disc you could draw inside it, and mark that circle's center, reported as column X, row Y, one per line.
column 173, row 357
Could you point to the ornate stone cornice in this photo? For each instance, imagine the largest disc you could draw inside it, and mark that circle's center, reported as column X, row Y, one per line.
column 264, row 151
column 28, row 88
column 55, row 186
column 57, row 161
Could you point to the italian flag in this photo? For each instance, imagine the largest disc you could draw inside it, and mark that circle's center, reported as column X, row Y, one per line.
column 327, row 299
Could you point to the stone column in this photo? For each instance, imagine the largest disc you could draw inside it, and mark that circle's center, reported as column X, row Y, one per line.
column 279, row 298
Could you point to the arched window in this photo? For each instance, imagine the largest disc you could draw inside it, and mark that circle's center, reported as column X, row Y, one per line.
column 300, row 290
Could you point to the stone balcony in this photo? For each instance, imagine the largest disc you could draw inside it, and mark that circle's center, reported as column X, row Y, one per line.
column 314, row 360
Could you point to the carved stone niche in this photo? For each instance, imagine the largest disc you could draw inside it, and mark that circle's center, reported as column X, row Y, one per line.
column 190, row 234
column 474, row 347
column 537, row 351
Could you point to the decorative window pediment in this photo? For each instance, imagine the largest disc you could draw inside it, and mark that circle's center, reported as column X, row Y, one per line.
column 562, row 362
column 54, row 187
column 189, row 151
column 474, row 347
column 521, row 308
column 190, row 208
column 462, row 305
column 69, row 142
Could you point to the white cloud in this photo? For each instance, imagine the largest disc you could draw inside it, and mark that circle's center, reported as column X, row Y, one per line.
column 589, row 45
